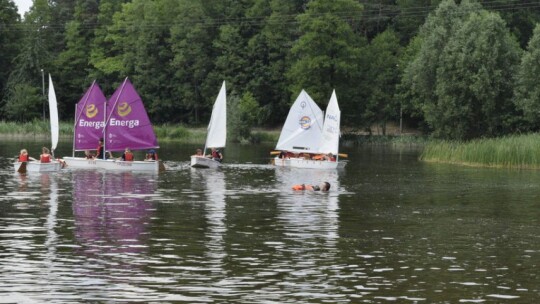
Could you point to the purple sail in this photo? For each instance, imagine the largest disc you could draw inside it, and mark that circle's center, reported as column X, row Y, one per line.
column 89, row 119
column 127, row 124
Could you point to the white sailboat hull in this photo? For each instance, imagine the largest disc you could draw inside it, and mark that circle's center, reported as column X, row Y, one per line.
column 36, row 166
column 119, row 165
column 80, row 163
column 204, row 162
column 308, row 163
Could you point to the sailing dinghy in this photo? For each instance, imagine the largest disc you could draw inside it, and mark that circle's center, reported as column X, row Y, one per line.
column 54, row 165
column 127, row 125
column 88, row 128
column 217, row 132
column 305, row 140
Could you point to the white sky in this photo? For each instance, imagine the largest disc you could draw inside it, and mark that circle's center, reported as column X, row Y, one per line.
column 23, row 6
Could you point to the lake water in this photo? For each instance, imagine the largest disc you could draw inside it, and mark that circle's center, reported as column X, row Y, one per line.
column 391, row 229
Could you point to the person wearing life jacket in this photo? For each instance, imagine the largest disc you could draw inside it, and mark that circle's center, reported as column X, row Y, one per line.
column 128, row 155
column 330, row 157
column 45, row 156
column 325, row 186
column 24, row 157
column 151, row 155
column 216, row 155
column 99, row 149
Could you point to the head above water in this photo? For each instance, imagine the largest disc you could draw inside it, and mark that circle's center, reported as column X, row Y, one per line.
column 325, row 186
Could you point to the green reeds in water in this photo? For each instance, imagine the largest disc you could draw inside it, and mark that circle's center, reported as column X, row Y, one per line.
column 517, row 151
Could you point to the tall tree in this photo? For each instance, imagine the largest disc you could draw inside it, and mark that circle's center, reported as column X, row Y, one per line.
column 192, row 34
column 381, row 104
column 327, row 54
column 10, row 30
column 462, row 75
column 269, row 52
column 527, row 90
column 33, row 60
column 73, row 62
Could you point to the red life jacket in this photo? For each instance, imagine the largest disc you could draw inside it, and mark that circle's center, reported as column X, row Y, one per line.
column 23, row 158
column 45, row 158
column 128, row 156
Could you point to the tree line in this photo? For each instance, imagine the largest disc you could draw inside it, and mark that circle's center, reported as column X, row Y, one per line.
column 454, row 69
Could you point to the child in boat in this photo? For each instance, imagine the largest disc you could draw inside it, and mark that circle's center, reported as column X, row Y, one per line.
column 151, row 155
column 24, row 157
column 45, row 156
column 127, row 156
column 325, row 186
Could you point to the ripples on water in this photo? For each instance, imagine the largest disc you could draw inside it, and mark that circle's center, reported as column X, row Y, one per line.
column 241, row 235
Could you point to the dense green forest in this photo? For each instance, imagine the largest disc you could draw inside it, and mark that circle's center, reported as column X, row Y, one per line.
column 453, row 69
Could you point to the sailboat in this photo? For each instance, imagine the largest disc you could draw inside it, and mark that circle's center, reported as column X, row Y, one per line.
column 53, row 165
column 127, row 125
column 88, row 127
column 305, row 140
column 217, row 132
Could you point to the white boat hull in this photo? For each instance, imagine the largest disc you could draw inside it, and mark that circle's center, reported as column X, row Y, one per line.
column 119, row 165
column 36, row 166
column 204, row 162
column 80, row 163
column 307, row 163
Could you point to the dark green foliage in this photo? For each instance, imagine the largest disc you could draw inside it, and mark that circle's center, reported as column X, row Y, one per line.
column 450, row 65
column 24, row 103
column 243, row 114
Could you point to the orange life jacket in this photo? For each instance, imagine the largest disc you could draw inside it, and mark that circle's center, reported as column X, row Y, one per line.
column 23, row 158
column 302, row 187
column 45, row 158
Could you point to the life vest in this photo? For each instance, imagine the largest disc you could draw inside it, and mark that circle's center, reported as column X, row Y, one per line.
column 215, row 154
column 305, row 187
column 318, row 157
column 23, row 158
column 45, row 158
column 128, row 156
column 99, row 152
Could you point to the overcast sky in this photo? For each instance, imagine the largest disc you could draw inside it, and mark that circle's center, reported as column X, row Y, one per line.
column 23, row 5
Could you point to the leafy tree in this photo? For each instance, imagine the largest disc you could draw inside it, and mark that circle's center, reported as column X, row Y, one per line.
column 34, row 56
column 269, row 54
column 73, row 62
column 243, row 115
column 527, row 90
column 105, row 55
column 10, row 26
column 381, row 104
column 327, row 54
column 474, row 80
column 24, row 103
column 191, row 41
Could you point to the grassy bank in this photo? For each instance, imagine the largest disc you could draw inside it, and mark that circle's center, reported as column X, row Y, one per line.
column 518, row 151
column 165, row 132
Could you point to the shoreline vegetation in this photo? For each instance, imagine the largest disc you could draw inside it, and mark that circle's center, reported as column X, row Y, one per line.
column 513, row 152
column 183, row 134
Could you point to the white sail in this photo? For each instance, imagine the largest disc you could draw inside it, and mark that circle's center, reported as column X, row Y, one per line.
column 303, row 128
column 53, row 115
column 331, row 131
column 217, row 128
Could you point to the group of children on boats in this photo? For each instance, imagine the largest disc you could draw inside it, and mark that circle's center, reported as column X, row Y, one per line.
column 215, row 155
column 151, row 155
column 46, row 157
column 311, row 156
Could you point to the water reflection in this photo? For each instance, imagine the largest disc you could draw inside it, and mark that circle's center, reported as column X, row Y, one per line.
column 111, row 211
column 310, row 223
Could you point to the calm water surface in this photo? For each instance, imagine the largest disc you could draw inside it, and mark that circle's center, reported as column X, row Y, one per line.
column 391, row 229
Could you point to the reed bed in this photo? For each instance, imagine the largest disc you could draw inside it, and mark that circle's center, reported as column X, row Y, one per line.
column 516, row 151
